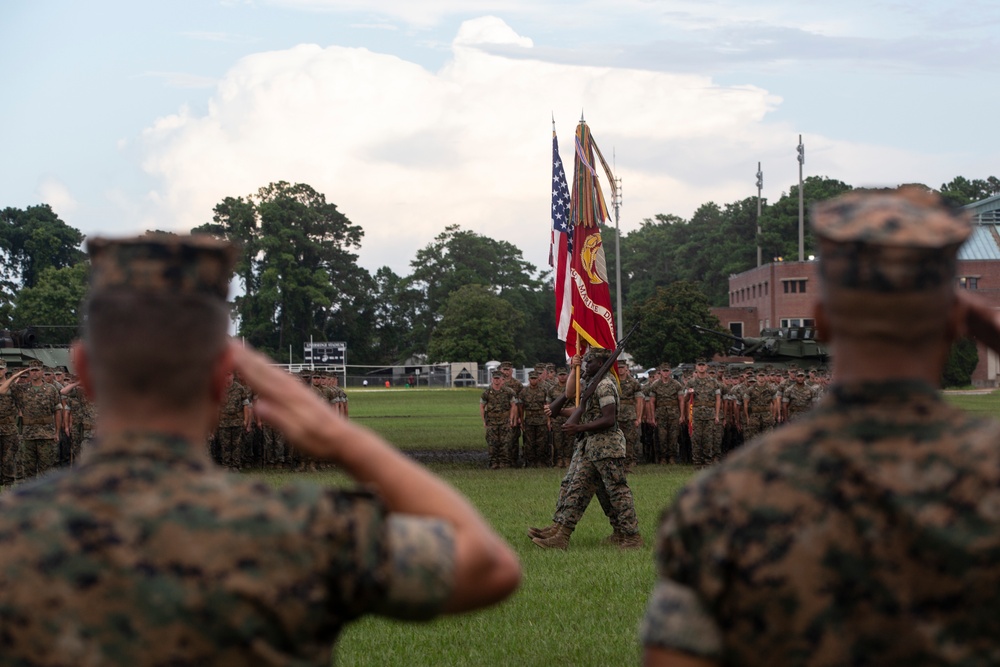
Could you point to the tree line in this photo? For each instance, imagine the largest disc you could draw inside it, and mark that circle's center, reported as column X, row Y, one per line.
column 468, row 297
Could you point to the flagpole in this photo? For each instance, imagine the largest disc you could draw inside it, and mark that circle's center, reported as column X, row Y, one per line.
column 618, row 246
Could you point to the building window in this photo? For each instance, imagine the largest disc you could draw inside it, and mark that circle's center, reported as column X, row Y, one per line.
column 969, row 282
column 765, row 289
column 736, row 328
column 754, row 291
column 794, row 286
column 797, row 322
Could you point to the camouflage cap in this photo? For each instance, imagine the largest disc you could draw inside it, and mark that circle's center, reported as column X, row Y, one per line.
column 497, row 375
column 597, row 354
column 562, row 370
column 550, row 367
column 506, row 364
column 532, row 375
column 539, row 367
column 665, row 366
column 3, row 364
column 888, row 260
column 889, row 241
column 35, row 363
column 197, row 264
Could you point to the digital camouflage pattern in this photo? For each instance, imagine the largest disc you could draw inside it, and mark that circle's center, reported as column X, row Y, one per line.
column 38, row 410
column 799, row 397
column 562, row 444
column 147, row 554
column 10, row 439
column 198, row 264
column 665, row 395
column 600, row 465
column 630, row 392
column 701, row 393
column 865, row 533
column 536, row 426
column 609, row 443
column 496, row 413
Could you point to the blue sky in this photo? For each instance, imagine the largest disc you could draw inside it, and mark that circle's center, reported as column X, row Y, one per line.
column 410, row 115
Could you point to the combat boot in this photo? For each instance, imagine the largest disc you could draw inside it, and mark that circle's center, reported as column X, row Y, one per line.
column 560, row 540
column 614, row 539
column 547, row 531
column 633, row 541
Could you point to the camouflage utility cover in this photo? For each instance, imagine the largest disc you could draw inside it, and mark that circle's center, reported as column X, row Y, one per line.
column 867, row 532
column 147, row 554
column 166, row 263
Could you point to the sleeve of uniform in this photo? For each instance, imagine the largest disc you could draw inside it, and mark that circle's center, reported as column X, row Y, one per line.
column 394, row 565
column 677, row 615
column 422, row 567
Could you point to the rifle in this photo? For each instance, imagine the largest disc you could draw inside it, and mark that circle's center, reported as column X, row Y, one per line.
column 574, row 418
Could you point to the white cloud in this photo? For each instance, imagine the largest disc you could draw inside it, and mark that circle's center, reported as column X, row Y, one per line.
column 404, row 152
column 55, row 193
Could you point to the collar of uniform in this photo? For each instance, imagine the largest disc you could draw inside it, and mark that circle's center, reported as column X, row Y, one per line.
column 883, row 392
column 150, row 445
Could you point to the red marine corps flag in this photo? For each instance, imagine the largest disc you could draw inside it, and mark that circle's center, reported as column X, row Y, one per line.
column 592, row 323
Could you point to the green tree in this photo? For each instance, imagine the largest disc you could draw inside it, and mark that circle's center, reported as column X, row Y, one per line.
column 665, row 330
column 961, row 191
column 476, row 325
column 299, row 276
column 35, row 239
column 780, row 220
column 457, row 258
column 53, row 305
column 962, row 361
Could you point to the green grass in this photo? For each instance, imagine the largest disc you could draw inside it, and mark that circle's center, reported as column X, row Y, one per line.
column 578, row 607
column 985, row 404
column 421, row 418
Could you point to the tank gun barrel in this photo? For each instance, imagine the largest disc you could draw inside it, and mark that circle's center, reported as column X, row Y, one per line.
column 720, row 334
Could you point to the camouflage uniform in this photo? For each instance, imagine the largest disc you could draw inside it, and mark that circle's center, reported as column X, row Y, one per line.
column 10, row 439
column 759, row 400
column 496, row 406
column 222, row 571
column 513, row 445
column 798, row 398
column 562, row 444
column 229, row 432
column 667, row 413
column 536, row 427
column 83, row 415
column 601, row 463
column 792, row 553
column 630, row 390
column 703, row 393
column 39, row 450
column 866, row 531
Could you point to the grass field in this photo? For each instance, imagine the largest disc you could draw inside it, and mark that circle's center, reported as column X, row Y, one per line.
column 578, row 607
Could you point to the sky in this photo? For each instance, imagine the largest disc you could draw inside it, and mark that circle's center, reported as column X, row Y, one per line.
column 412, row 115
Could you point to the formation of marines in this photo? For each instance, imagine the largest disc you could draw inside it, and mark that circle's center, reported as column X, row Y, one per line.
column 695, row 416
column 242, row 440
column 45, row 420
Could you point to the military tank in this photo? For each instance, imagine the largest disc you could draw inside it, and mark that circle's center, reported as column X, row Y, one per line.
column 17, row 348
column 777, row 347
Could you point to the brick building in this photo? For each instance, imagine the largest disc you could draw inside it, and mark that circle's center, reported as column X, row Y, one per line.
column 783, row 294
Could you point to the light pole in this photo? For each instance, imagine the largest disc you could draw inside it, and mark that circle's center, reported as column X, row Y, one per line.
column 760, row 186
column 802, row 233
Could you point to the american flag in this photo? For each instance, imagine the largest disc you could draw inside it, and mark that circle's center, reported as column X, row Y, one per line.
column 561, row 240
